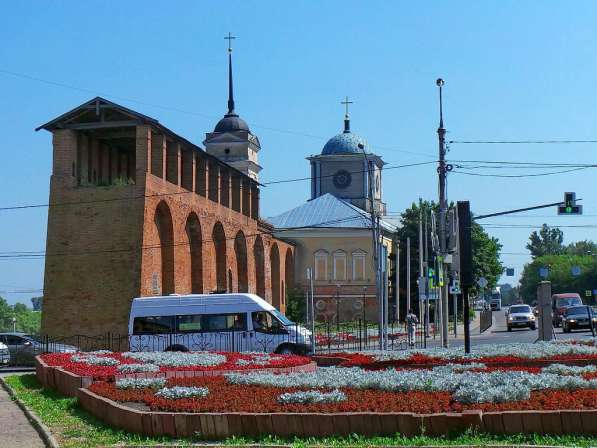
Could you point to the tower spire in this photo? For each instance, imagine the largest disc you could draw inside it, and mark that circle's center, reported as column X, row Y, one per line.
column 230, row 85
column 346, row 102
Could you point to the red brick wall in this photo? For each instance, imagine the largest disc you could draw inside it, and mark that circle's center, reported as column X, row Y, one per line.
column 100, row 255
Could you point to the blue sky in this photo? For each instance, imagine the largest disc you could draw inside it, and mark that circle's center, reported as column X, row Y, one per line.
column 513, row 70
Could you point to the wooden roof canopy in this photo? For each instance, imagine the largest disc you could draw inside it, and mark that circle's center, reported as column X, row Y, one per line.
column 100, row 114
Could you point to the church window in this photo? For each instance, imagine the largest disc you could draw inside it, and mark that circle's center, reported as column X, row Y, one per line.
column 342, row 179
column 358, row 265
column 227, row 151
column 321, row 265
column 339, row 265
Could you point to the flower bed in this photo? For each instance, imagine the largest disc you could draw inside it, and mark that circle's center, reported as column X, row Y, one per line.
column 541, row 353
column 108, row 366
column 449, row 388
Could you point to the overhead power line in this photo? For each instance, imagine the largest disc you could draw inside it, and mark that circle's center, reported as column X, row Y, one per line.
column 519, row 142
column 519, row 175
column 207, row 191
column 28, row 255
column 187, row 112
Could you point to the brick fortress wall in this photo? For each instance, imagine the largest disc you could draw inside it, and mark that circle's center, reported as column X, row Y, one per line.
column 183, row 222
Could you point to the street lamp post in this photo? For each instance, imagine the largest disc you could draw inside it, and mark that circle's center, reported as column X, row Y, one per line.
column 14, row 324
column 338, row 308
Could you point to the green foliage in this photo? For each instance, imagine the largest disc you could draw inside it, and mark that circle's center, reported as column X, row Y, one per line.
column 28, row 321
column 73, row 427
column 296, row 306
column 486, row 256
column 547, row 242
column 560, row 275
column 486, row 249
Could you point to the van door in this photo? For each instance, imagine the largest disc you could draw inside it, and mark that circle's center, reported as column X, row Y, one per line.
column 151, row 333
column 221, row 332
column 268, row 332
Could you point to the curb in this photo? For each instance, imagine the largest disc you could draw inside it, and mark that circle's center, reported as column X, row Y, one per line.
column 35, row 421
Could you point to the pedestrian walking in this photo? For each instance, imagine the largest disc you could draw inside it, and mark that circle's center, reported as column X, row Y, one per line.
column 411, row 325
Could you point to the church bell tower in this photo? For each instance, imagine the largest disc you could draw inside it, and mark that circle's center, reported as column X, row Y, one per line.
column 232, row 141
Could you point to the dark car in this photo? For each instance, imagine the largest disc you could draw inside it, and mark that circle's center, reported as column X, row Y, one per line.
column 578, row 317
column 24, row 348
column 559, row 304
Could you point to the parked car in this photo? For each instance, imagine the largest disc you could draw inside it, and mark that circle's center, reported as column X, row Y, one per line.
column 24, row 348
column 221, row 322
column 559, row 304
column 521, row 316
column 4, row 355
column 578, row 317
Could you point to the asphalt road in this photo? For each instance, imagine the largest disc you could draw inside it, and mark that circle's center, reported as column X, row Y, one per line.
column 499, row 334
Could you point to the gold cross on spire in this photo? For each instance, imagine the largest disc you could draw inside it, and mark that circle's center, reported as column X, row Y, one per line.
column 346, row 102
column 229, row 39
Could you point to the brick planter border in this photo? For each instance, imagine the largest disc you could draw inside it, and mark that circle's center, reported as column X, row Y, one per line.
column 67, row 383
column 216, row 426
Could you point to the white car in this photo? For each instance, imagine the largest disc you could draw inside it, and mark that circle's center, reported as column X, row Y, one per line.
column 521, row 316
column 4, row 355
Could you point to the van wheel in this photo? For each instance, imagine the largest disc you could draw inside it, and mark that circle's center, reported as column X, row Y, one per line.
column 286, row 349
column 177, row 348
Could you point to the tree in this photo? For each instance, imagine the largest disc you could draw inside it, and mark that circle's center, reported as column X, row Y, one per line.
column 27, row 320
column 547, row 242
column 296, row 307
column 584, row 247
column 486, row 257
column 560, row 275
column 486, row 251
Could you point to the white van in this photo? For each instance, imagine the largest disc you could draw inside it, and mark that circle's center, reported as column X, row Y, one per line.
column 213, row 322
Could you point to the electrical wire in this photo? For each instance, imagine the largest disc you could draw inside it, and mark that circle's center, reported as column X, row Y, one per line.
column 183, row 111
column 518, row 175
column 517, row 142
column 207, row 190
column 12, row 255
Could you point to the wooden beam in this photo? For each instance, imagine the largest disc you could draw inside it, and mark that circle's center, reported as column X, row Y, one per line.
column 100, row 125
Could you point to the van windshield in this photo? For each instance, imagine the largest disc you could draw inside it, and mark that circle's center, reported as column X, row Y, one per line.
column 568, row 301
column 281, row 317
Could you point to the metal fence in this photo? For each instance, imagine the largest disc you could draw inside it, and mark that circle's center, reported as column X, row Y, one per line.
column 486, row 320
column 329, row 337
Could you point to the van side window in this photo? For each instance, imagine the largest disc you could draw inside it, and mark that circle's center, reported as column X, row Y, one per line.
column 264, row 322
column 153, row 325
column 212, row 322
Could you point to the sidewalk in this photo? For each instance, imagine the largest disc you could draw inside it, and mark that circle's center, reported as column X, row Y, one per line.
column 15, row 429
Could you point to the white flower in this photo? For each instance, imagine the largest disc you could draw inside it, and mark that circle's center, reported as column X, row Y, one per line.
column 312, row 396
column 173, row 393
column 140, row 383
column 178, row 359
column 562, row 369
column 95, row 360
column 137, row 368
column 467, row 387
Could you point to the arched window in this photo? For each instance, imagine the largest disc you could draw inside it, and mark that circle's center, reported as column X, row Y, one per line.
column 274, row 261
column 219, row 240
column 240, row 250
column 259, row 255
column 165, row 231
column 358, row 265
column 321, row 265
column 339, row 265
column 193, row 229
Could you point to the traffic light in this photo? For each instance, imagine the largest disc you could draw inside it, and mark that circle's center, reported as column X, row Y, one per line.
column 570, row 207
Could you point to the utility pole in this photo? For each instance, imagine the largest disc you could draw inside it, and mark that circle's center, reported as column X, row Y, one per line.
column 408, row 274
column 442, row 170
column 422, row 277
column 427, row 280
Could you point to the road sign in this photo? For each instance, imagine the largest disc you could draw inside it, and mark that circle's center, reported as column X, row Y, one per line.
column 455, row 287
column 588, row 293
column 570, row 207
column 543, row 272
column 510, row 272
column 576, row 271
column 595, row 292
column 482, row 282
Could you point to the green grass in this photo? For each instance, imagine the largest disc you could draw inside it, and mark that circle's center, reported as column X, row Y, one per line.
column 73, row 427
